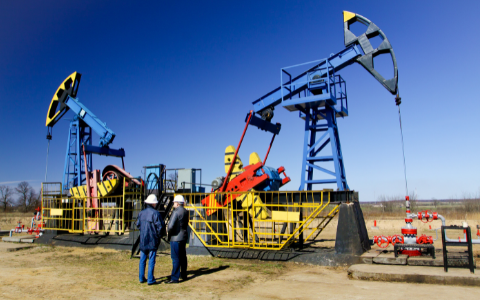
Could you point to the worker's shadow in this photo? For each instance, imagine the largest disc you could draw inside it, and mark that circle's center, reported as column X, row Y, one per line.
column 204, row 271
column 198, row 272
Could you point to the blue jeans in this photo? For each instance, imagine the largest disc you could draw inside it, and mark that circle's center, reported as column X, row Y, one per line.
column 179, row 260
column 151, row 265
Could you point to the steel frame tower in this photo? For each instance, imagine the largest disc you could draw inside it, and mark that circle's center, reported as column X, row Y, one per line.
column 79, row 134
column 320, row 96
column 322, row 121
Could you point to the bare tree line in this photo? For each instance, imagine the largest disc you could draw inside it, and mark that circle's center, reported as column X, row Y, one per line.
column 27, row 198
column 390, row 202
column 464, row 207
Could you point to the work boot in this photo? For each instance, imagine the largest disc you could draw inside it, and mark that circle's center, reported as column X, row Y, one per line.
column 171, row 281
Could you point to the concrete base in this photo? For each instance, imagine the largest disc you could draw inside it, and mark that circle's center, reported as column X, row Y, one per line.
column 352, row 235
column 314, row 256
column 19, row 239
column 122, row 242
column 8, row 247
column 388, row 258
column 425, row 261
column 413, row 274
column 367, row 257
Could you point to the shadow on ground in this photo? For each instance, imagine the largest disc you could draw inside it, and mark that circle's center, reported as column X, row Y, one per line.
column 195, row 273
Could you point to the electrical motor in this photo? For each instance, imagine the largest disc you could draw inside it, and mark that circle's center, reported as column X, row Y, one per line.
column 217, row 182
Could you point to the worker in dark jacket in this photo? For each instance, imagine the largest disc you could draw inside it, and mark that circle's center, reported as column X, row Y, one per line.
column 151, row 224
column 177, row 232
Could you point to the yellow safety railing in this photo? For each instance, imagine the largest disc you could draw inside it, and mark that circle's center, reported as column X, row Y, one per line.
column 110, row 214
column 259, row 220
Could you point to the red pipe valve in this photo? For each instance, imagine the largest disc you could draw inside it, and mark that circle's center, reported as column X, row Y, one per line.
column 397, row 239
column 423, row 239
column 382, row 241
column 426, row 215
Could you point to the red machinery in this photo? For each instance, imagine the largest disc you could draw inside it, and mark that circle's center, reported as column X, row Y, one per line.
column 412, row 243
column 252, row 176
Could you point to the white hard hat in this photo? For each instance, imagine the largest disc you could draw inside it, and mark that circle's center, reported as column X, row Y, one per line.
column 151, row 199
column 179, row 199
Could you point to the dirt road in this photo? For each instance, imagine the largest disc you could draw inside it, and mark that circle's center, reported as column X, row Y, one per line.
column 72, row 273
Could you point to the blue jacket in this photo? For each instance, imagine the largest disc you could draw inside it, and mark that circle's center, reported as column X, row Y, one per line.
column 151, row 224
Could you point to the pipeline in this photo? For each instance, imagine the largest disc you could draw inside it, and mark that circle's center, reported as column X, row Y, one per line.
column 427, row 215
column 410, row 233
column 34, row 227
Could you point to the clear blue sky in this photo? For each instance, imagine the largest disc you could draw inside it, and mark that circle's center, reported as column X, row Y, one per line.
column 175, row 79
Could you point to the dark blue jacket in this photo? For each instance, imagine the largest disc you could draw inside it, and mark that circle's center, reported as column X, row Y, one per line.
column 151, row 224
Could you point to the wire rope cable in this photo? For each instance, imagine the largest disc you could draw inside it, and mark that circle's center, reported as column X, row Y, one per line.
column 398, row 101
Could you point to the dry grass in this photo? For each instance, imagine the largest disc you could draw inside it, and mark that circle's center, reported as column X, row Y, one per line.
column 9, row 220
column 464, row 210
column 116, row 270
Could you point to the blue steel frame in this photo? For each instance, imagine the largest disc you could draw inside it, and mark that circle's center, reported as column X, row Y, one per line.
column 82, row 112
column 322, row 120
column 80, row 134
column 321, row 99
column 338, row 61
column 74, row 170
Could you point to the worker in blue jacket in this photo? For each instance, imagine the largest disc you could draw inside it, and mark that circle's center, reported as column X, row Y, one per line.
column 151, row 224
column 177, row 233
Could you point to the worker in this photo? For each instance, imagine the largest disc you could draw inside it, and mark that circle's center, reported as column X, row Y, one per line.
column 151, row 224
column 177, row 233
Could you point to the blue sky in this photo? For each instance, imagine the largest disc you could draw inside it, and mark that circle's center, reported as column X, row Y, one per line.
column 174, row 80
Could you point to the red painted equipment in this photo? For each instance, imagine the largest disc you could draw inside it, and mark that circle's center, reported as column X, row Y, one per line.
column 19, row 227
column 245, row 181
column 409, row 238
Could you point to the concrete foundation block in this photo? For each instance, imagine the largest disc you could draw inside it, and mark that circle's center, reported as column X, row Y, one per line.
column 414, row 274
column 427, row 261
column 352, row 235
column 30, row 240
column 10, row 247
column 390, row 259
column 16, row 239
column 368, row 256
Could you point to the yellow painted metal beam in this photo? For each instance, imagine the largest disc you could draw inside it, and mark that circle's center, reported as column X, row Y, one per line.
column 259, row 231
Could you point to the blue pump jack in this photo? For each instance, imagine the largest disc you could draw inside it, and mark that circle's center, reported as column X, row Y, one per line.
column 80, row 133
column 320, row 96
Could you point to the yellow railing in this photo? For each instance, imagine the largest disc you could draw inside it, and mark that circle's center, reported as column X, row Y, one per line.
column 258, row 220
column 111, row 214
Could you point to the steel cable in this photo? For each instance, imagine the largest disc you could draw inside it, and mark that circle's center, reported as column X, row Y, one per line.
column 403, row 149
